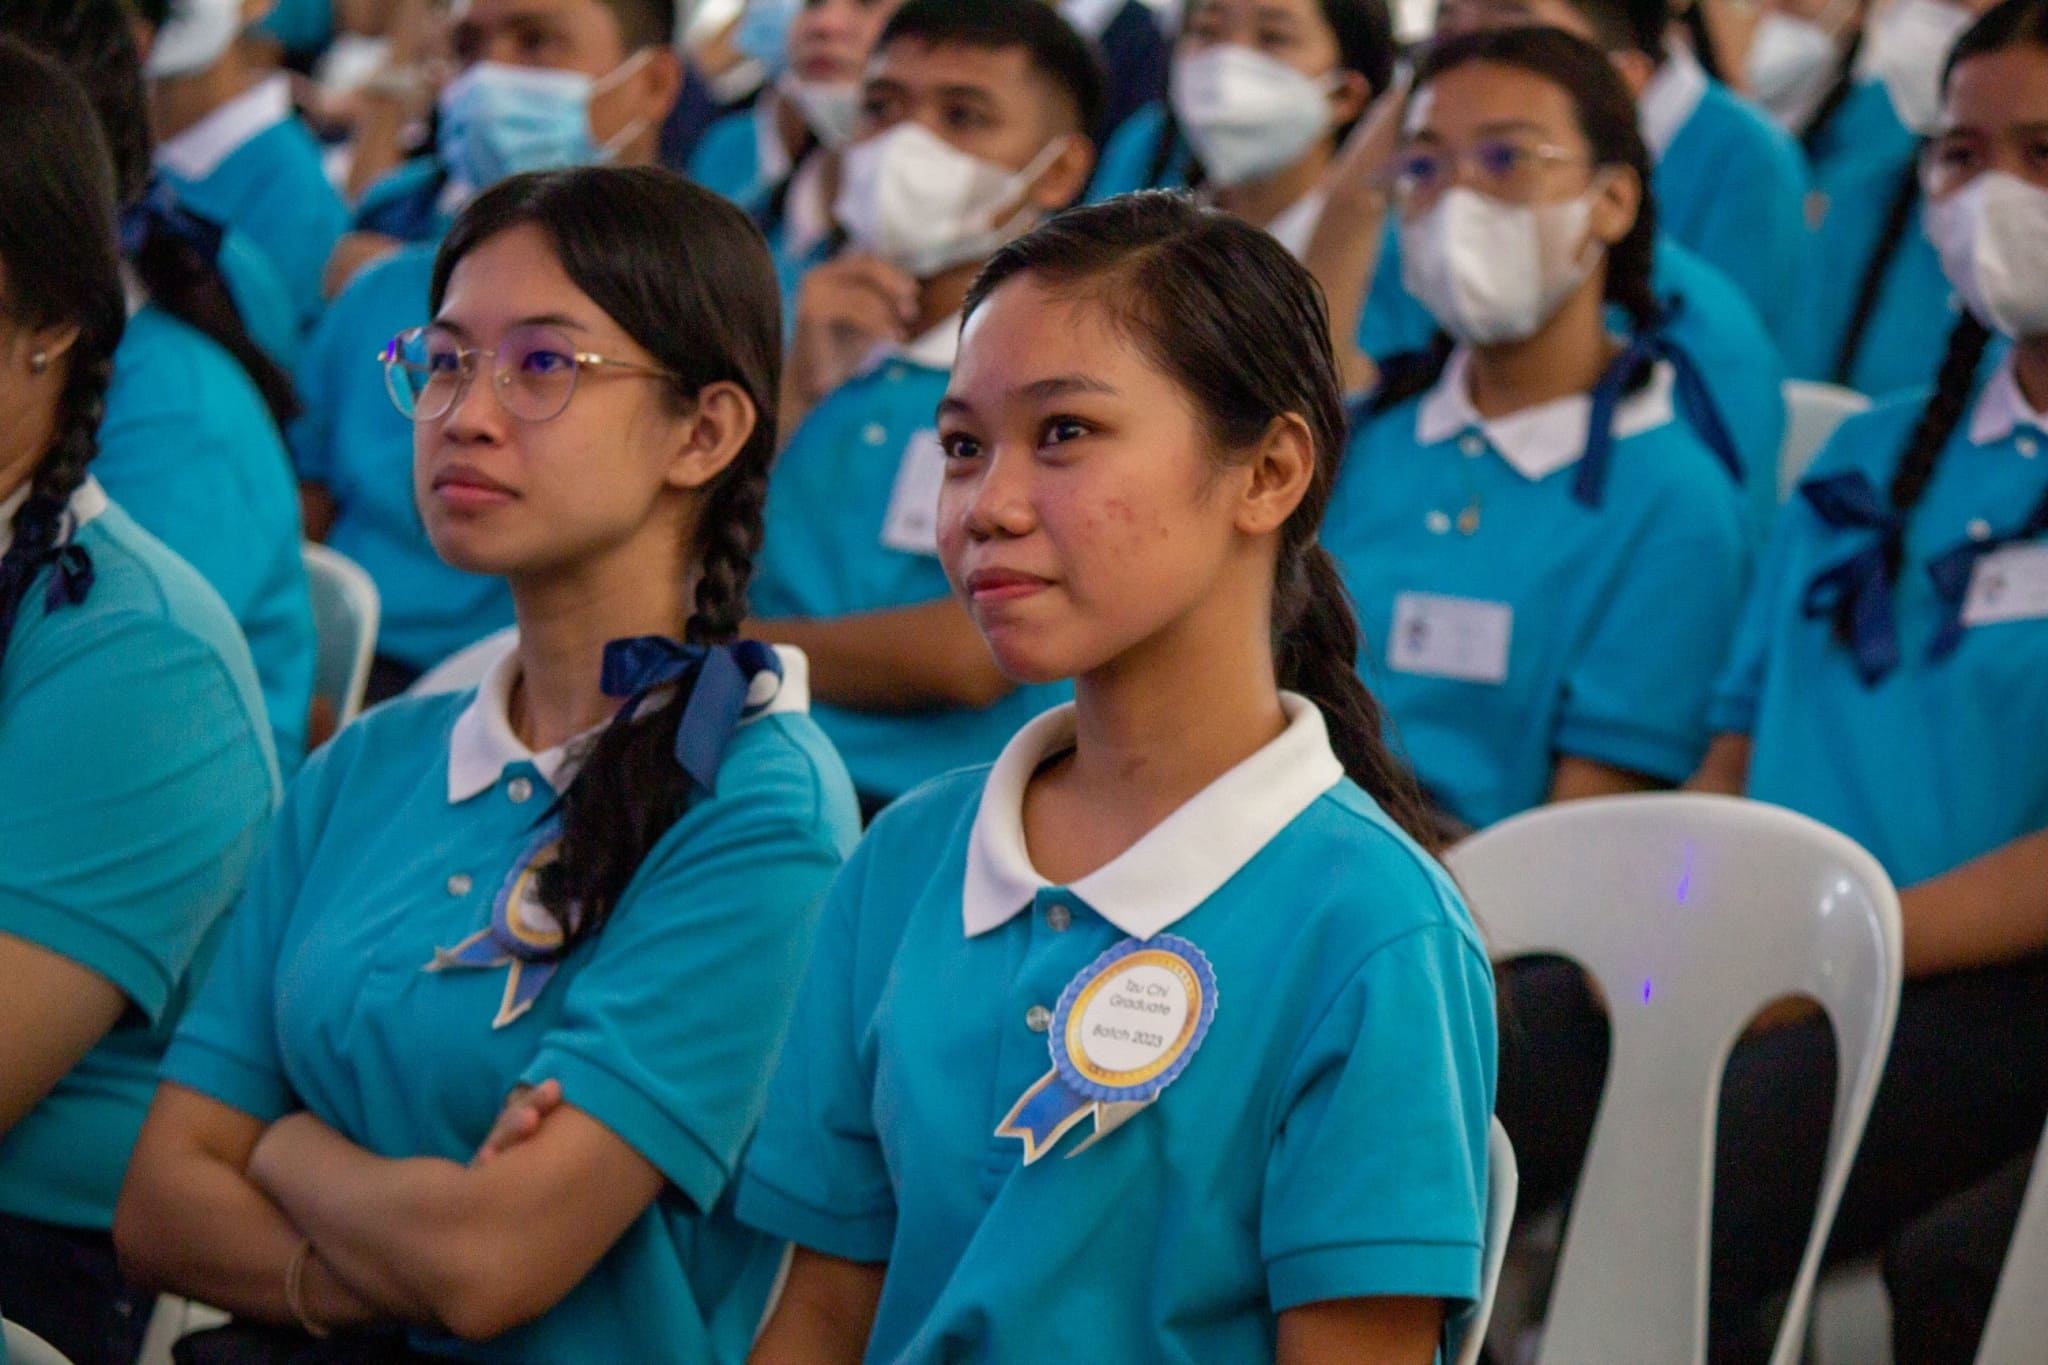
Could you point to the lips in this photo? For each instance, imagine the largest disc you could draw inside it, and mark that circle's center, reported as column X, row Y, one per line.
column 1003, row 585
column 464, row 484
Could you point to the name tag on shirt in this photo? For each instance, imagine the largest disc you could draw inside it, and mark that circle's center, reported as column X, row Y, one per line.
column 1451, row 637
column 913, row 521
column 2008, row 585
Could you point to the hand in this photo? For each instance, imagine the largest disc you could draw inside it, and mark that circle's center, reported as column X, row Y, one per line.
column 1358, row 175
column 274, row 1158
column 355, row 251
column 1343, row 251
column 846, row 307
column 1793, row 1009
column 519, row 1120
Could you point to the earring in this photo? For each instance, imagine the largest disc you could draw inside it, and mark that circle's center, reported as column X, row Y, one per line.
column 39, row 362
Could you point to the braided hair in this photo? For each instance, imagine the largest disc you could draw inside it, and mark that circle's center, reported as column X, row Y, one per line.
column 57, row 245
column 1606, row 115
column 687, row 276
column 1241, row 327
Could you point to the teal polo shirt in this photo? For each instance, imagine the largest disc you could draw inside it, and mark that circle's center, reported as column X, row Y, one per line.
column 189, row 450
column 1929, row 767
column 136, row 786
column 394, row 841
column 1536, row 626
column 834, row 546
column 1327, row 1139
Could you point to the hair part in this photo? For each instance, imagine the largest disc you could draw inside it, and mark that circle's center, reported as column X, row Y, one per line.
column 688, row 277
column 1062, row 57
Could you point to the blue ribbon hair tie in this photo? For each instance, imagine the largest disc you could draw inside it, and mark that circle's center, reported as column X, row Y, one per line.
column 1850, row 502
column 718, row 677
column 1692, row 400
column 159, row 213
column 1952, row 570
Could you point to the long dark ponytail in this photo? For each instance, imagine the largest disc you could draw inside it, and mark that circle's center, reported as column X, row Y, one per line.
column 688, row 277
column 92, row 38
column 57, row 243
column 1221, row 307
column 1606, row 115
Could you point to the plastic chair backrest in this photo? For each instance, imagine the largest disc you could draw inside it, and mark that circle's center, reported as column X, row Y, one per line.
column 2018, row 1327
column 1503, row 1183
column 26, row 1348
column 465, row 668
column 1690, row 913
column 345, row 612
column 1812, row 412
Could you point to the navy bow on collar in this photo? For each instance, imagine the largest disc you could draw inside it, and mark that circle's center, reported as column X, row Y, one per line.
column 159, row 212
column 718, row 677
column 1849, row 501
column 1694, row 403
column 70, row 580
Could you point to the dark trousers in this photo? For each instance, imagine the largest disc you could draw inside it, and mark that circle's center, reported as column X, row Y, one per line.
column 251, row 1343
column 64, row 1285
column 1942, row 1271
column 1964, row 1093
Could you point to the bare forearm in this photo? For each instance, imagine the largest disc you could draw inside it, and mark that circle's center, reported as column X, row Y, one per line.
column 919, row 658
column 1990, row 910
column 1725, row 769
column 826, row 1313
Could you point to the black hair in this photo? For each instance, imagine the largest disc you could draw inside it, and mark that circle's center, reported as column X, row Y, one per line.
column 644, row 23
column 1054, row 49
column 1365, row 43
column 688, row 277
column 92, row 39
column 1839, row 89
column 1222, row 309
column 1629, row 25
column 1606, row 116
column 2010, row 24
column 57, row 243
column 1701, row 35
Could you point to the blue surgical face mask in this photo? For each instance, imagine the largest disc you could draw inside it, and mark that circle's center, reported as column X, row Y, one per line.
column 498, row 121
column 762, row 33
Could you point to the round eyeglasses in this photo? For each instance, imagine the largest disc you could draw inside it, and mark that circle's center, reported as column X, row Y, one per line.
column 533, row 371
column 1504, row 168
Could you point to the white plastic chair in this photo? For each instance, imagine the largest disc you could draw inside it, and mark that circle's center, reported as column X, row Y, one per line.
column 1690, row 913
column 1812, row 412
column 2017, row 1331
column 1503, row 1183
column 26, row 1348
column 345, row 612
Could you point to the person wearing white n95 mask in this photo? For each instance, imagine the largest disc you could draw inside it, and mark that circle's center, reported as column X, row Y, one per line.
column 1908, row 44
column 1796, row 56
column 922, row 204
column 1993, row 239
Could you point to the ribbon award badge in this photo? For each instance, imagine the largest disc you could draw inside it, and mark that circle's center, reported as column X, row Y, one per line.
column 1124, row 1030
column 521, row 934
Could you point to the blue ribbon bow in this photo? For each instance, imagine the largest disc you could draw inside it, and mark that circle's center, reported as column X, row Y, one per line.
column 719, row 678
column 1849, row 501
column 159, row 212
column 1693, row 401
column 1952, row 569
column 70, row 580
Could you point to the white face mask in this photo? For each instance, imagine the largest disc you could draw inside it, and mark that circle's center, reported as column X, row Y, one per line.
column 1791, row 65
column 1993, row 239
column 922, row 204
column 1246, row 115
column 1492, row 272
column 830, row 109
column 197, row 34
column 1909, row 45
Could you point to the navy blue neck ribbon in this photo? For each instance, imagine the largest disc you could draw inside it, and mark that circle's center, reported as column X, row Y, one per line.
column 159, row 214
column 70, row 581
column 717, row 677
column 1952, row 569
column 1851, row 502
column 1695, row 405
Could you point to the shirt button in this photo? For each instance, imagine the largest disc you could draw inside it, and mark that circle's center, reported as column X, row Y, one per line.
column 1438, row 522
column 1038, row 1019
column 519, row 790
column 874, row 433
column 1979, row 529
column 459, row 884
column 1057, row 918
column 2028, row 446
column 1472, row 443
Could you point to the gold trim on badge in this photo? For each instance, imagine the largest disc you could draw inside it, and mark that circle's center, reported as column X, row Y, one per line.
column 1144, row 957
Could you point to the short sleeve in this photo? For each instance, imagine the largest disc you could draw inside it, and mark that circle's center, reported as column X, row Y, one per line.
column 1636, row 693
column 1732, row 710
column 816, row 1174
column 135, row 789
column 320, row 386
column 1376, row 1181
column 670, row 1030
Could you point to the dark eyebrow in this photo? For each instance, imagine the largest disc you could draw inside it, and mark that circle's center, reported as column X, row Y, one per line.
column 561, row 320
column 1053, row 386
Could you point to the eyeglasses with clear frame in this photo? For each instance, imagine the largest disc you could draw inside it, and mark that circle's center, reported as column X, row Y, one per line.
column 533, row 371
column 1504, row 168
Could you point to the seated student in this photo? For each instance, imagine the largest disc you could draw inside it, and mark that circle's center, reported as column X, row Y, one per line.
column 190, row 446
column 1141, row 433
column 1261, row 94
column 350, row 448
column 1874, row 295
column 136, row 779
column 231, row 144
column 1135, row 56
column 973, row 126
column 600, row 869
column 1730, row 184
column 1546, row 562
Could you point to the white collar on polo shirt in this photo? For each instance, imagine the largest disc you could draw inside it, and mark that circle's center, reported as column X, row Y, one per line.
column 1090, row 18
column 86, row 503
column 1670, row 98
column 2002, row 407
column 198, row 151
column 1538, row 441
column 935, row 349
column 1181, row 862
column 483, row 743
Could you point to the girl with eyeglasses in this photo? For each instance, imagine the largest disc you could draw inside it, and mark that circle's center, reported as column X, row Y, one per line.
column 594, row 875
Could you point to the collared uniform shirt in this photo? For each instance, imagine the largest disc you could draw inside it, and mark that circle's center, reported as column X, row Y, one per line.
column 252, row 163
column 1551, row 628
column 414, row 201
column 849, row 523
column 136, row 784
column 351, row 441
column 1933, row 765
column 1327, row 1140
column 188, row 449
column 395, row 841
